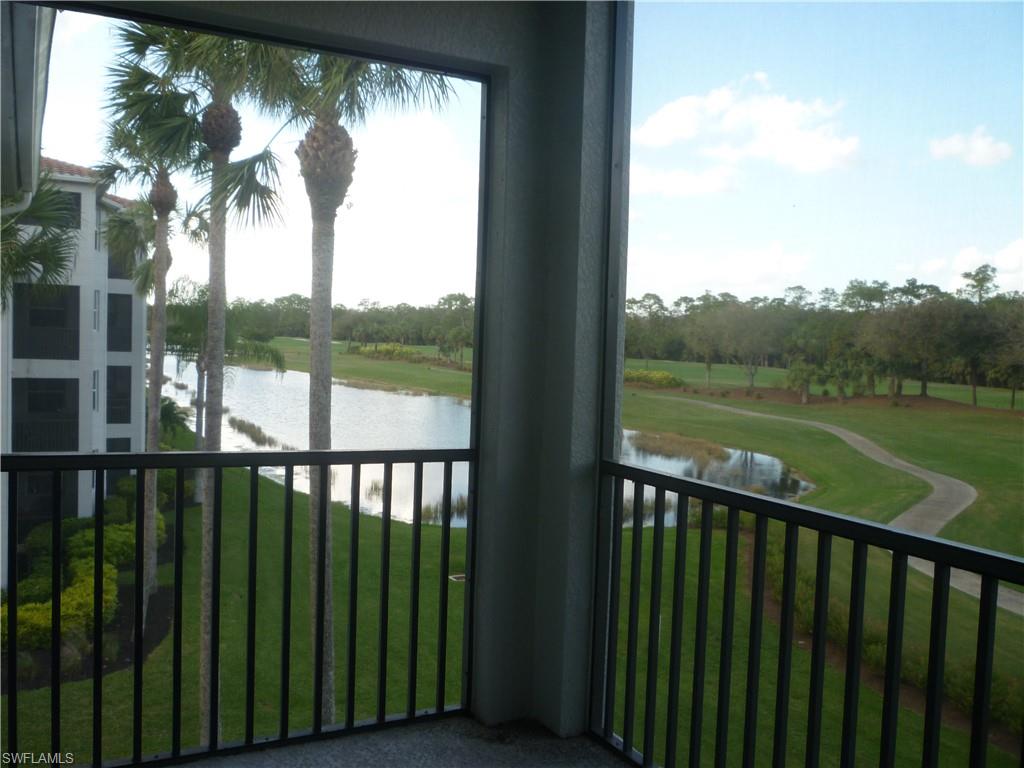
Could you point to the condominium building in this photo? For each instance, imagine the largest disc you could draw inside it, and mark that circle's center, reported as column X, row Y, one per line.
column 74, row 357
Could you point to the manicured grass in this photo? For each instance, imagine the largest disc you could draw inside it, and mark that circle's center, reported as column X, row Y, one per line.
column 982, row 448
column 385, row 374
column 33, row 710
column 727, row 375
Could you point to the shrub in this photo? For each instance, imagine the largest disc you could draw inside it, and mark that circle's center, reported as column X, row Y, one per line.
column 76, row 608
column 656, row 379
column 392, row 352
column 118, row 543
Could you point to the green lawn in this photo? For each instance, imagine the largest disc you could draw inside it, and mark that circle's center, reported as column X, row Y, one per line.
column 385, row 374
column 76, row 698
column 727, row 375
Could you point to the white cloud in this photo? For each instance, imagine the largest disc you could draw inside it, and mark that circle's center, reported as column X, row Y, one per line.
column 746, row 121
column 70, row 26
column 743, row 271
column 979, row 148
column 1008, row 261
column 680, row 183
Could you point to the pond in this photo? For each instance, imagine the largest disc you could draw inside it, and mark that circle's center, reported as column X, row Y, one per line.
column 712, row 463
column 361, row 419
column 368, row 419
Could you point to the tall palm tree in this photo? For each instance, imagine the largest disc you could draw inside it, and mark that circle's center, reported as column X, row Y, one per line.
column 153, row 133
column 324, row 91
column 36, row 243
column 215, row 71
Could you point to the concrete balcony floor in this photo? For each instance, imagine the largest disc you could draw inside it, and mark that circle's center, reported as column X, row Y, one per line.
column 453, row 742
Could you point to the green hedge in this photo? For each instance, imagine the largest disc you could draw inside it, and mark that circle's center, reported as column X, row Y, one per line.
column 76, row 608
column 658, row 379
column 118, row 543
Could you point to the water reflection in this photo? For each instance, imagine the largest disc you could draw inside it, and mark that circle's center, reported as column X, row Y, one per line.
column 361, row 419
column 700, row 460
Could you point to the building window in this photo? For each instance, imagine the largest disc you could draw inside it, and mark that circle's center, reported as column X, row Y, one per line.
column 119, row 394
column 96, row 310
column 44, row 415
column 119, row 322
column 46, row 322
column 95, row 390
column 118, row 268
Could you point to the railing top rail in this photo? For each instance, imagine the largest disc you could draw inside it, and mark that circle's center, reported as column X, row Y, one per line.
column 963, row 556
column 36, row 462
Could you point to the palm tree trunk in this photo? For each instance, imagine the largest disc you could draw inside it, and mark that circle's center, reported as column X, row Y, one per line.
column 198, row 483
column 214, row 415
column 157, row 342
column 320, row 432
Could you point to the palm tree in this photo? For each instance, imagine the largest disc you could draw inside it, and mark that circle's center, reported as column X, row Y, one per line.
column 214, row 71
column 153, row 133
column 36, row 244
column 323, row 91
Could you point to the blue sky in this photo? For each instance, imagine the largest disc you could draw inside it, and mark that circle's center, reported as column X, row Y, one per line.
column 776, row 144
column 773, row 144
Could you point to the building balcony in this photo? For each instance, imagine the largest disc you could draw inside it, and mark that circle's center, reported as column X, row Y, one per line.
column 676, row 677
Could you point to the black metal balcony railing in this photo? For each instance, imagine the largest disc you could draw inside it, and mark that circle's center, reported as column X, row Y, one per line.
column 16, row 465
column 614, row 712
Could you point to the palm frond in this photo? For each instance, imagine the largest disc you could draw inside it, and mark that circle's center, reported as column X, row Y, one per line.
column 130, row 234
column 249, row 188
column 248, row 351
column 195, row 224
column 37, row 245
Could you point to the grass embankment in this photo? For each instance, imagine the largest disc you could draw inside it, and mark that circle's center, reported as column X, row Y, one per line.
column 383, row 374
column 76, row 697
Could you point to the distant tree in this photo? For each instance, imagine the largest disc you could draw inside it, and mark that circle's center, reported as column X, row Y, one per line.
column 981, row 283
column 974, row 334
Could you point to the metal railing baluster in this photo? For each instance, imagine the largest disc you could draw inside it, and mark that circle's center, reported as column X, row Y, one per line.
column 353, row 597
column 442, row 610
column 819, row 641
column 414, row 588
column 323, row 509
column 854, row 641
column 179, row 579
column 218, row 509
column 785, row 646
column 893, row 658
column 385, row 576
column 250, row 614
column 286, row 602
column 676, row 642
column 980, row 709
column 634, row 618
column 12, row 612
column 614, row 579
column 97, row 624
column 754, row 643
column 725, row 653
column 653, row 626
column 936, row 665
column 701, row 633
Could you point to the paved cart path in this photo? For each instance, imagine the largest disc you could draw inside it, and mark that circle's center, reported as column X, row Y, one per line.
column 949, row 497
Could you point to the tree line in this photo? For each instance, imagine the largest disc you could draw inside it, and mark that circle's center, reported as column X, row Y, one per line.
column 446, row 324
column 871, row 332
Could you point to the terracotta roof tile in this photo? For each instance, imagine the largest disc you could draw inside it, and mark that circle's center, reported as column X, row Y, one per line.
column 68, row 169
